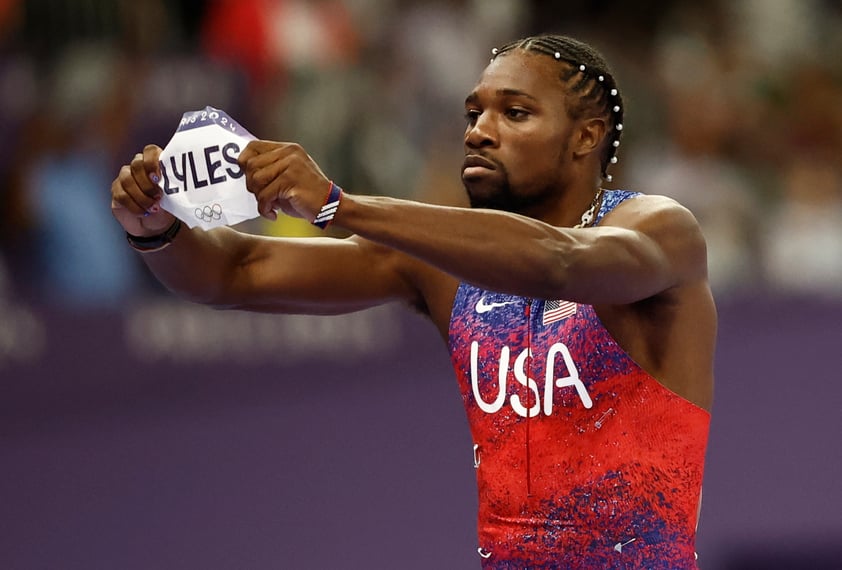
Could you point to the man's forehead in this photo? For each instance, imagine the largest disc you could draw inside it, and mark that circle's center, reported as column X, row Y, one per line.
column 519, row 72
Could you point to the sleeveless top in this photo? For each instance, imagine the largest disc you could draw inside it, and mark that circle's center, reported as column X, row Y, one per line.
column 583, row 459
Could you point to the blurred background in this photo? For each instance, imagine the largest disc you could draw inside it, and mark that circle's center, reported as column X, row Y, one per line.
column 137, row 431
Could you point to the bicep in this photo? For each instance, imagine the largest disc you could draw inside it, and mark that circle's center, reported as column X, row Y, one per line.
column 646, row 246
column 315, row 275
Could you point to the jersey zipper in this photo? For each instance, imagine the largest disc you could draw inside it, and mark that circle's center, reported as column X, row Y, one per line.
column 528, row 399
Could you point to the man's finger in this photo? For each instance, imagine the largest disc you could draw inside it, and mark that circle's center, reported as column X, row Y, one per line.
column 254, row 149
column 269, row 199
column 143, row 178
column 120, row 196
column 128, row 184
column 152, row 163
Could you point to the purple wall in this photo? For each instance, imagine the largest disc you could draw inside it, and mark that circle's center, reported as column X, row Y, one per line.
column 176, row 437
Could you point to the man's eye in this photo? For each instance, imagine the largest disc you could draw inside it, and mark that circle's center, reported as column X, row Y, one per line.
column 515, row 113
column 471, row 115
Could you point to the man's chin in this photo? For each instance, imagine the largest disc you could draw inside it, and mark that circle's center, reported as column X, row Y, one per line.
column 489, row 203
column 482, row 195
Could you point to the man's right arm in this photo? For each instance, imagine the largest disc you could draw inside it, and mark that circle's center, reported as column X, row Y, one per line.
column 230, row 269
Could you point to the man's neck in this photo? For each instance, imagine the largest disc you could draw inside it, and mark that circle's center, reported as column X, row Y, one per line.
column 568, row 209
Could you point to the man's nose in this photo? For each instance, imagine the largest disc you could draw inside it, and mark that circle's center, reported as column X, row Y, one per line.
column 482, row 133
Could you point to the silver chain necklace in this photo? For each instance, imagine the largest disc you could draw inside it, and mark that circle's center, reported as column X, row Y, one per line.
column 588, row 216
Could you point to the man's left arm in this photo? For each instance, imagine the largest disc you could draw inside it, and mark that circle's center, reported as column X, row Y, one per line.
column 647, row 245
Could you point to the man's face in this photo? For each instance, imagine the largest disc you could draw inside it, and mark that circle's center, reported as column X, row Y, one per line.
column 518, row 133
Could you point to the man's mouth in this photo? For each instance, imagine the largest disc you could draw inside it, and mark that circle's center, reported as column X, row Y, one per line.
column 476, row 165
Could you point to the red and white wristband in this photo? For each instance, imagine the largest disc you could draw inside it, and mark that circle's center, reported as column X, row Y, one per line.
column 328, row 211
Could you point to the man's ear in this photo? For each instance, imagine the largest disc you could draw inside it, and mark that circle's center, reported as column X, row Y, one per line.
column 591, row 133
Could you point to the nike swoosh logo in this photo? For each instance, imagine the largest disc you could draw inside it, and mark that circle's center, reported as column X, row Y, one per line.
column 483, row 307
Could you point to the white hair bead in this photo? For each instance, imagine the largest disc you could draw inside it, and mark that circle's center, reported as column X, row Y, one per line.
column 557, row 55
column 608, row 178
column 601, row 78
column 614, row 160
column 619, row 126
column 616, row 108
column 616, row 144
column 494, row 51
column 582, row 67
column 613, row 92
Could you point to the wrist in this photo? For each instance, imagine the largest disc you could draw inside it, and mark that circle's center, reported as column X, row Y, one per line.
column 326, row 214
column 157, row 242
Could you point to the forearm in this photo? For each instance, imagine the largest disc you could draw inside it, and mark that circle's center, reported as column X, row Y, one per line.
column 495, row 250
column 198, row 265
column 321, row 275
column 654, row 245
column 231, row 269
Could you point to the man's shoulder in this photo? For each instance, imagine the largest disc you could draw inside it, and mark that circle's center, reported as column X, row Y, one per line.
column 626, row 204
column 668, row 225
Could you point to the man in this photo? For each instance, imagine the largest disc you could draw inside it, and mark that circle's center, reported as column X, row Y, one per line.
column 580, row 320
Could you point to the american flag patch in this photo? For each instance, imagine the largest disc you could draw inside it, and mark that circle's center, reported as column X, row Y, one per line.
column 557, row 310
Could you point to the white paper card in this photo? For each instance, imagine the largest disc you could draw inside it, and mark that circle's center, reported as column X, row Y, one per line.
column 202, row 182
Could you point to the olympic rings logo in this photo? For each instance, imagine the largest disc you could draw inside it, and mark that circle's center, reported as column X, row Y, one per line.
column 209, row 213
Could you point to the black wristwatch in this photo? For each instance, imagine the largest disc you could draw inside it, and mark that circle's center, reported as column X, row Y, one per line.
column 150, row 244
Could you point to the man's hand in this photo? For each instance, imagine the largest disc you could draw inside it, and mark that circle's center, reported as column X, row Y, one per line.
column 282, row 176
column 136, row 195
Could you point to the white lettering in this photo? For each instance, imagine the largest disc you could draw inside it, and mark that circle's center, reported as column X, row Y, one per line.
column 502, row 373
column 521, row 375
column 178, row 331
column 571, row 380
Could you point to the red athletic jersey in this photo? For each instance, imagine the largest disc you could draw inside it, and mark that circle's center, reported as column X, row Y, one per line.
column 583, row 459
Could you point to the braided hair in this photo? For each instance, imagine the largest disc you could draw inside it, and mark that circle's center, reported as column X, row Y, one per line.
column 591, row 87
